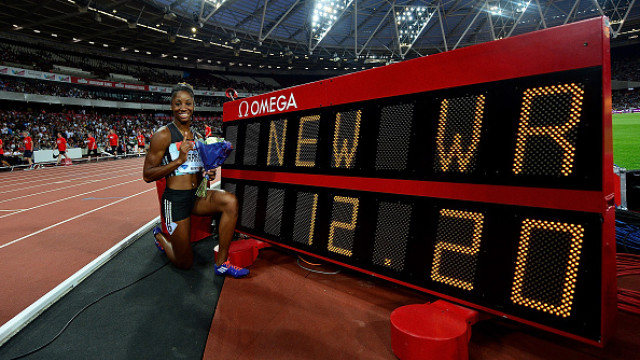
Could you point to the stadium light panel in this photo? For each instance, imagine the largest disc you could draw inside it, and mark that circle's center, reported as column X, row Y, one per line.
column 324, row 16
column 215, row 3
column 511, row 9
column 523, row 6
column 410, row 21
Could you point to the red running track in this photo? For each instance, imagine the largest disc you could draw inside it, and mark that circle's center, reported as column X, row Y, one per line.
column 54, row 221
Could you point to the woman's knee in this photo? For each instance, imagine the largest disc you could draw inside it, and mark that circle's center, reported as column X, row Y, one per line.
column 229, row 203
column 183, row 263
column 181, row 245
column 183, row 256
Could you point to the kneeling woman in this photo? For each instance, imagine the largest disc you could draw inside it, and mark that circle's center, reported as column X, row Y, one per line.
column 172, row 156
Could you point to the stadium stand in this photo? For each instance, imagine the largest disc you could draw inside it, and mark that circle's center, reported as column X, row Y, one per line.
column 625, row 66
column 626, row 99
column 75, row 122
column 22, row 55
column 75, row 126
column 45, row 120
column 55, row 110
column 625, row 75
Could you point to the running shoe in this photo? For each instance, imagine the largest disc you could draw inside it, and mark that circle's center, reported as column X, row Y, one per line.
column 229, row 269
column 156, row 231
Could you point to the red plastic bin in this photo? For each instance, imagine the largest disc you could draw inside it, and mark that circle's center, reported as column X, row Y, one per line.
column 440, row 330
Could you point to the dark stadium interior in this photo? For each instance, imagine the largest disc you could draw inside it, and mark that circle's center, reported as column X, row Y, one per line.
column 93, row 65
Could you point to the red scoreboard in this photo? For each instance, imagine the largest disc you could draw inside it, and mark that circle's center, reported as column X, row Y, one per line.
column 482, row 175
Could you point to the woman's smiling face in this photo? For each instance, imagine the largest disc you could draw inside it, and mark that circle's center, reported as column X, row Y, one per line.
column 182, row 105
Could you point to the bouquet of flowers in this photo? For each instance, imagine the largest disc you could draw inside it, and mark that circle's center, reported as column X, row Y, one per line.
column 213, row 152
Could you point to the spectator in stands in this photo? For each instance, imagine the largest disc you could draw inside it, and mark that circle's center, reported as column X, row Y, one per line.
column 92, row 147
column 172, row 156
column 207, row 130
column 28, row 148
column 61, row 142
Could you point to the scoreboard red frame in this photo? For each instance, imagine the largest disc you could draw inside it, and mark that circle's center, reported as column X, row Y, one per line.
column 481, row 175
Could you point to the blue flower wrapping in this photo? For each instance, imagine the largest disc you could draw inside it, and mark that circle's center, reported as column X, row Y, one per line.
column 212, row 156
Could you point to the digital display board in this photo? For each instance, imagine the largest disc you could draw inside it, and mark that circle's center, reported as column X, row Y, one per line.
column 481, row 175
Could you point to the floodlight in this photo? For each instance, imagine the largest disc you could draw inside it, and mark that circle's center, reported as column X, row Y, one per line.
column 324, row 16
column 410, row 21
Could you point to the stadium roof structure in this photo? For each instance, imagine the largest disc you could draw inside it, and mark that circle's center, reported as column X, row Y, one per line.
column 296, row 34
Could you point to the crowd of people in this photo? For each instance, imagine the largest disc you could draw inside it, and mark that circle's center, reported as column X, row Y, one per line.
column 207, row 81
column 625, row 67
column 37, row 87
column 101, row 68
column 42, row 128
column 628, row 69
column 626, row 99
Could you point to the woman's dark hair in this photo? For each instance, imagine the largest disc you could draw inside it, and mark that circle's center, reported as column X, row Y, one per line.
column 182, row 87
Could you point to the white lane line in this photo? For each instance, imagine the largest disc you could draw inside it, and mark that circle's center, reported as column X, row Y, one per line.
column 12, row 210
column 68, row 173
column 67, row 198
column 47, row 181
column 18, row 322
column 69, row 180
column 44, row 176
column 62, row 188
column 73, row 218
column 97, row 174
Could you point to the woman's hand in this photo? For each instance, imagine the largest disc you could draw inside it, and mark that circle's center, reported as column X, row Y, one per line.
column 185, row 147
column 211, row 173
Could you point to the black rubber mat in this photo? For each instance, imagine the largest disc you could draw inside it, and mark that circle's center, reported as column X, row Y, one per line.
column 166, row 315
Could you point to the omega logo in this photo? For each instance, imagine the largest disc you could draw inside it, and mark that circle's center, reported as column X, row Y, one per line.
column 266, row 105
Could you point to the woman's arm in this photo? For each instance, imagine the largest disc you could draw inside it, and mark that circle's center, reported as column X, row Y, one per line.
column 153, row 170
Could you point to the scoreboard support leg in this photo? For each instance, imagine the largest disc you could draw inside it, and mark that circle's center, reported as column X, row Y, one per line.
column 438, row 330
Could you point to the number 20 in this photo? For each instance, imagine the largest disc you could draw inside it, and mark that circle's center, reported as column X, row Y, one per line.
column 460, row 271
